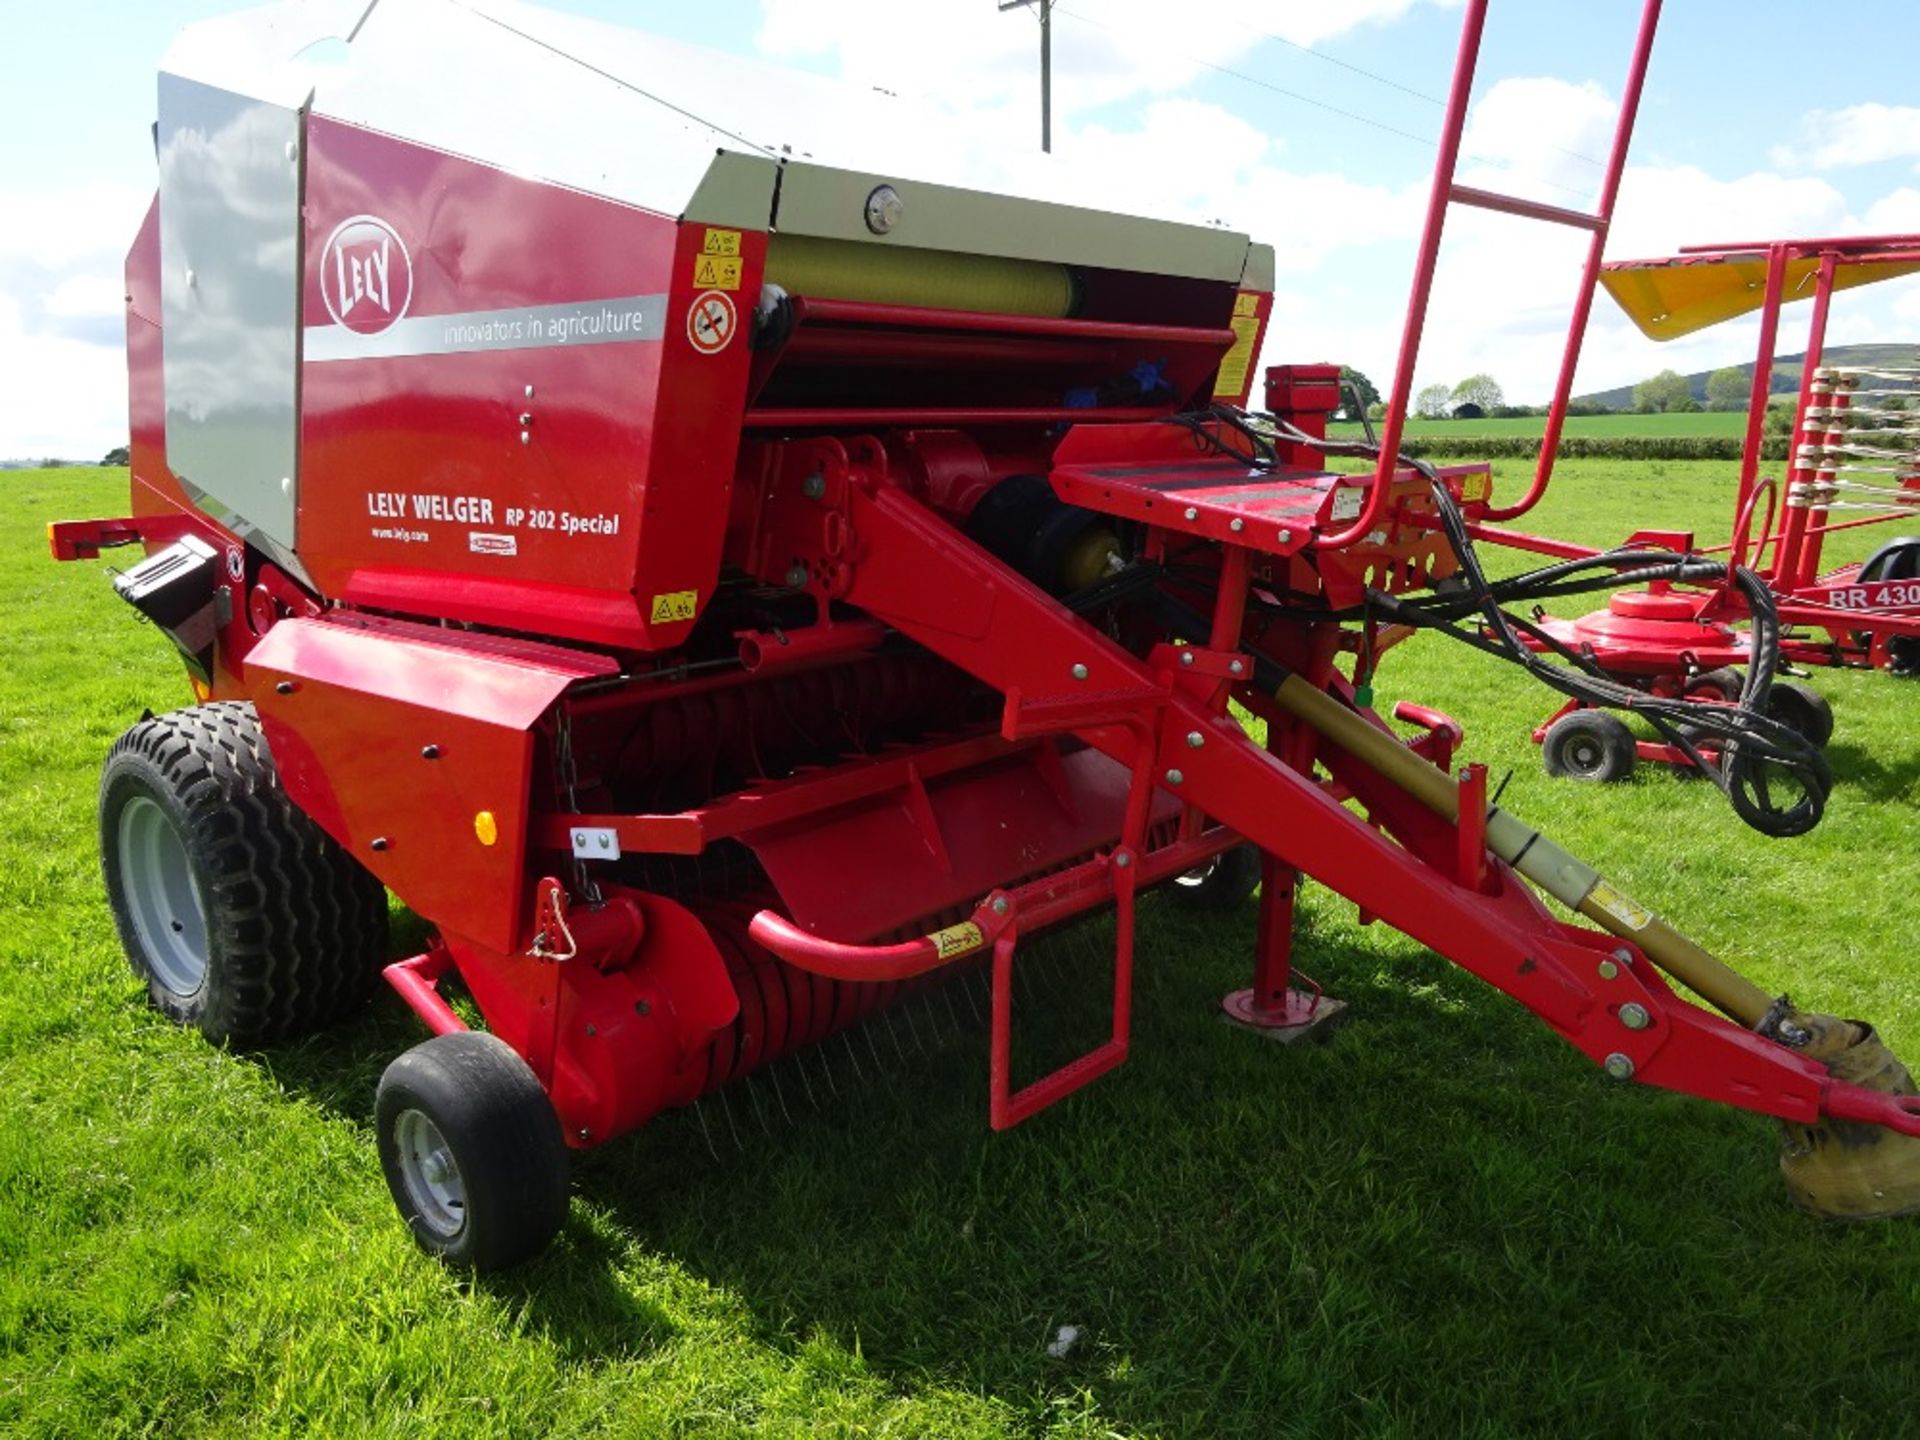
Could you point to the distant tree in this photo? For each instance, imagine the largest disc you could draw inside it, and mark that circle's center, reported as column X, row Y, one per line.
column 1467, row 410
column 117, row 456
column 1727, row 388
column 1665, row 391
column 1352, row 379
column 1481, row 390
column 1433, row 402
column 1377, row 410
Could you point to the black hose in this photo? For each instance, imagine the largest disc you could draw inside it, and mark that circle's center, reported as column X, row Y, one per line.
column 1757, row 752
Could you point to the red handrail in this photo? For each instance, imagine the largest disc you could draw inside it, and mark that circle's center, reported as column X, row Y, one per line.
column 1447, row 191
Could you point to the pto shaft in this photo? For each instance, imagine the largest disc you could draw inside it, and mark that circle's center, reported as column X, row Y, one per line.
column 1571, row 881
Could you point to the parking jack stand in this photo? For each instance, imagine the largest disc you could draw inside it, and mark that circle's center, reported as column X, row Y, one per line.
column 1274, row 1007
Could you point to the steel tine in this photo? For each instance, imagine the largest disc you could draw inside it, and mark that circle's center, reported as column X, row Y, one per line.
column 906, row 1014
column 966, row 990
column 753, row 1098
column 1021, row 978
column 705, row 1134
column 933, row 1018
column 874, row 1045
column 894, row 1031
column 859, row 1074
column 946, row 994
column 726, row 1105
column 779, row 1092
column 826, row 1064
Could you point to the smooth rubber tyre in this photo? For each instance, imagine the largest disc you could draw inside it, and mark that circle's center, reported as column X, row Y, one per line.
column 472, row 1151
column 242, row 916
column 1803, row 709
column 1225, row 883
column 1589, row 745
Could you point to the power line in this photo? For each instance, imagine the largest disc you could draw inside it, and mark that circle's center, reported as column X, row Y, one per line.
column 1380, row 79
column 1333, row 60
column 1282, row 90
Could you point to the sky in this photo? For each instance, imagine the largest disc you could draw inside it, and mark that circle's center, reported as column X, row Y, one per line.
column 1308, row 125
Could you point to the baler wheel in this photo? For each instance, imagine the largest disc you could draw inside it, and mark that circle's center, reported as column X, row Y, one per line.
column 1225, row 882
column 1803, row 709
column 242, row 915
column 1589, row 745
column 472, row 1151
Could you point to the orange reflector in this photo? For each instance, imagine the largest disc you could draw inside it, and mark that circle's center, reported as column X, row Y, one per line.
column 202, row 691
column 486, row 828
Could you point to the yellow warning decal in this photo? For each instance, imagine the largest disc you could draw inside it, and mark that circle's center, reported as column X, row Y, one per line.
column 716, row 272
column 1235, row 364
column 1628, row 912
column 721, row 242
column 675, row 605
column 961, row 939
column 1246, row 303
column 1478, row 486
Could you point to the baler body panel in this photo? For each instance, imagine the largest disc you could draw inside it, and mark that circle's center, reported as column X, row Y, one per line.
column 397, row 739
column 485, row 363
column 941, row 844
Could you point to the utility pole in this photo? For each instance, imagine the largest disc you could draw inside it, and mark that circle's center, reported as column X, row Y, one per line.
column 1046, row 65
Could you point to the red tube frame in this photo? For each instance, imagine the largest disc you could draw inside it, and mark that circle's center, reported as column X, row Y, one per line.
column 1445, row 191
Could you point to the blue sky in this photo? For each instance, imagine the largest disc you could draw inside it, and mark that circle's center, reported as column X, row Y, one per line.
column 1748, row 122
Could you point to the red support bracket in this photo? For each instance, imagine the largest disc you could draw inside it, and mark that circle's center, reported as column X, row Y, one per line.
column 417, row 980
column 1473, row 826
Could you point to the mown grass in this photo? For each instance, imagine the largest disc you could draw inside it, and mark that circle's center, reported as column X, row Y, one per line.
column 1702, row 422
column 1443, row 1222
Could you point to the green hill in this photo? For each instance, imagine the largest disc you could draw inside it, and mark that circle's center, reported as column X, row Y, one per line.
column 1786, row 372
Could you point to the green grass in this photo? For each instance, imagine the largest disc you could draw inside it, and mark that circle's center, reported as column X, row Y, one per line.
column 1703, row 422
column 1443, row 1222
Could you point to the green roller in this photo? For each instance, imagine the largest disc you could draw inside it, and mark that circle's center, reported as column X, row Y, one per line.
column 934, row 279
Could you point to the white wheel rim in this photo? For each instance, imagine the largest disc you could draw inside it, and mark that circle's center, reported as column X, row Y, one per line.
column 432, row 1177
column 162, row 896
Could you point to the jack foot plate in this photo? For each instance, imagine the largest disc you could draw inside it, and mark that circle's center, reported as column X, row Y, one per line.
column 1304, row 1016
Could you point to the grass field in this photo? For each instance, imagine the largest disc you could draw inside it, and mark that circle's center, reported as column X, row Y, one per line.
column 1702, row 422
column 1441, row 1223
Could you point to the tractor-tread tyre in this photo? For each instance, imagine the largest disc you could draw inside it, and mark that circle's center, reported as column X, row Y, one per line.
column 1225, row 882
column 292, row 929
column 1803, row 709
column 1589, row 745
column 509, row 1160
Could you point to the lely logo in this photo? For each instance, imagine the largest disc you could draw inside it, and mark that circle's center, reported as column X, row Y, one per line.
column 366, row 275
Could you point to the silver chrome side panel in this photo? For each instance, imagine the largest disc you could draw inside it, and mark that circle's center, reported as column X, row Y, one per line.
column 230, row 255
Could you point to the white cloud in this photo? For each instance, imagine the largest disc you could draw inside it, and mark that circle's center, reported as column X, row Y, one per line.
column 91, row 295
column 1863, row 134
column 1538, row 137
column 65, row 398
column 58, row 228
column 62, row 370
column 1895, row 213
column 1506, row 287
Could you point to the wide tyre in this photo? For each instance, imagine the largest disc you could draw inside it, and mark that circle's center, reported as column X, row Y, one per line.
column 244, row 918
column 1225, row 882
column 472, row 1151
column 1803, row 709
column 1589, row 745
